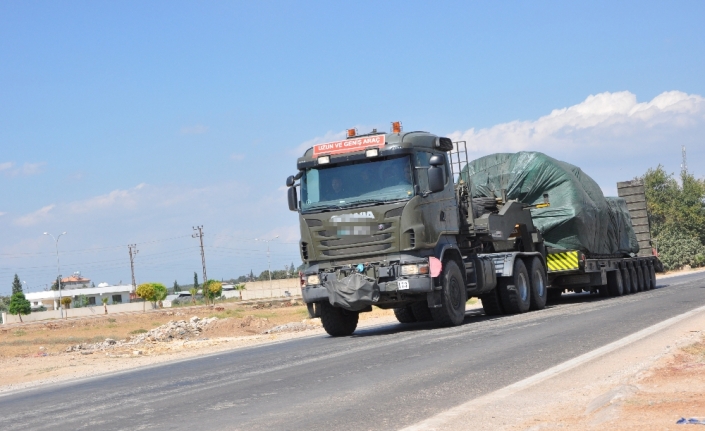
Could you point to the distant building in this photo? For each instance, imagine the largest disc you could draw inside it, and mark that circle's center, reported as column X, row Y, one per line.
column 75, row 281
column 94, row 295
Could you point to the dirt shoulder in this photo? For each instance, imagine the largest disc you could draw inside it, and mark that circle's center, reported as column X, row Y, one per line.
column 54, row 351
column 647, row 385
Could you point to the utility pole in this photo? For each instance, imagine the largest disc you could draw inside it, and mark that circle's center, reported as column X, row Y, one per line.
column 199, row 235
column 684, row 165
column 133, row 252
column 269, row 262
column 58, row 269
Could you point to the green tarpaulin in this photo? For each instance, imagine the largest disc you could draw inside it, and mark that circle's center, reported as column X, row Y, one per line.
column 580, row 216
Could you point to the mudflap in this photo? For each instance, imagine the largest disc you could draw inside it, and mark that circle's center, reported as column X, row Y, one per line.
column 354, row 292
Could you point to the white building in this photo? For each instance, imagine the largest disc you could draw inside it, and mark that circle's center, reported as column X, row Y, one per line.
column 95, row 295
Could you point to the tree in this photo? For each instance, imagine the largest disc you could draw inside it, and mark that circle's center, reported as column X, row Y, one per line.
column 146, row 292
column 160, row 292
column 677, row 216
column 92, row 284
column 212, row 289
column 66, row 303
column 19, row 304
column 193, row 291
column 252, row 276
column 195, row 280
column 16, row 285
column 55, row 286
column 105, row 304
column 176, row 287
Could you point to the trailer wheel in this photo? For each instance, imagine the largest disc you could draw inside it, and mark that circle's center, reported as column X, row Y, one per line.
column 491, row 304
column 626, row 280
column 539, row 291
column 515, row 291
column 652, row 275
column 640, row 277
column 634, row 278
column 615, row 285
column 338, row 322
column 404, row 314
column 421, row 311
column 647, row 276
column 453, row 297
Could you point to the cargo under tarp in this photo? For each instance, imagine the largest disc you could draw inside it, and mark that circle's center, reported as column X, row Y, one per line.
column 579, row 218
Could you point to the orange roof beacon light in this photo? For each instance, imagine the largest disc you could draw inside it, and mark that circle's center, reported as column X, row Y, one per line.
column 352, row 133
column 396, row 127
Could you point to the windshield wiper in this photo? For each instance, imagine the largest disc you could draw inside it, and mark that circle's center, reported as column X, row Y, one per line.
column 374, row 202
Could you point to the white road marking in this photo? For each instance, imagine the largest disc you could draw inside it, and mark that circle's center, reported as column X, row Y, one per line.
column 434, row 422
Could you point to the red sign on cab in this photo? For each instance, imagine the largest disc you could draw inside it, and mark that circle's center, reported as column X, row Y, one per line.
column 349, row 145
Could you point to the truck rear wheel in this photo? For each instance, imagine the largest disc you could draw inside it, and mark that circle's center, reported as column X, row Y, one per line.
column 633, row 277
column 652, row 275
column 491, row 304
column 639, row 277
column 338, row 322
column 626, row 280
column 404, row 314
column 647, row 277
column 453, row 297
column 515, row 291
column 615, row 286
column 421, row 311
column 539, row 291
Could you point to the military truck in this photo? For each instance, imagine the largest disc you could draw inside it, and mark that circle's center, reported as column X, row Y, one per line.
column 386, row 220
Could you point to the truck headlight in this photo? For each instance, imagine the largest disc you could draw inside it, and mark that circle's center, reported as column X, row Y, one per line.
column 414, row 269
column 313, row 279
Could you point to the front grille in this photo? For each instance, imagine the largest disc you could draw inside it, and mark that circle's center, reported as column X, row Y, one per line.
column 357, row 250
column 355, row 240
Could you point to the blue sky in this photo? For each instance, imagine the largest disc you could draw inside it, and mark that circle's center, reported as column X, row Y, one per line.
column 130, row 122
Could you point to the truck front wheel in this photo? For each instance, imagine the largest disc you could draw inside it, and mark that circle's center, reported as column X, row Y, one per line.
column 338, row 322
column 453, row 297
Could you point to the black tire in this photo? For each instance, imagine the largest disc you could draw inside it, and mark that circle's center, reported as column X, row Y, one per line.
column 453, row 297
column 604, row 291
column 626, row 281
column 491, row 304
column 554, row 295
column 539, row 285
column 515, row 291
column 404, row 314
column 639, row 276
column 421, row 311
column 647, row 277
column 338, row 322
column 633, row 277
column 652, row 275
column 615, row 285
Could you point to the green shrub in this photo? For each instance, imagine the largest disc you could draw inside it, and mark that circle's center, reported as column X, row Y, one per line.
column 677, row 249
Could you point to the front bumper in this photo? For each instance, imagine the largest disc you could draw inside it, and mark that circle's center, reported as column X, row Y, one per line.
column 417, row 284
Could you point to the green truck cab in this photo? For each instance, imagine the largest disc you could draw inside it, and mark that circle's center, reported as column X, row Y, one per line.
column 384, row 221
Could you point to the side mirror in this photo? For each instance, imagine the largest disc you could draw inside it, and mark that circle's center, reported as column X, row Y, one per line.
column 436, row 181
column 436, row 160
column 293, row 199
column 290, row 181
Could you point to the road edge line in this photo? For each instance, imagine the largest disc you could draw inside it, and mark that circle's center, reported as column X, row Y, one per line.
column 439, row 419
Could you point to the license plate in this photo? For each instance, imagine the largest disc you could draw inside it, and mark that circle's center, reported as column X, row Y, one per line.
column 402, row 284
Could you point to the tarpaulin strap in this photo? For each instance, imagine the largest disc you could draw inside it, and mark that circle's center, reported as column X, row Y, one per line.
column 565, row 261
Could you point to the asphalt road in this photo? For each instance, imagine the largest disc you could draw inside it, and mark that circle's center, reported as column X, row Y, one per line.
column 384, row 377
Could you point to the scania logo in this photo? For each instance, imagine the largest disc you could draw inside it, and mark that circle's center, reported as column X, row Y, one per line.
column 352, row 217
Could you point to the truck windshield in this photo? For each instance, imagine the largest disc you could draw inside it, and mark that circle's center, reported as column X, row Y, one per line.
column 368, row 182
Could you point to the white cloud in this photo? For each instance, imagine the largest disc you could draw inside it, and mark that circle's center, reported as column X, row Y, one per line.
column 198, row 129
column 25, row 170
column 2, row 213
column 35, row 217
column 597, row 123
column 237, row 157
column 611, row 136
